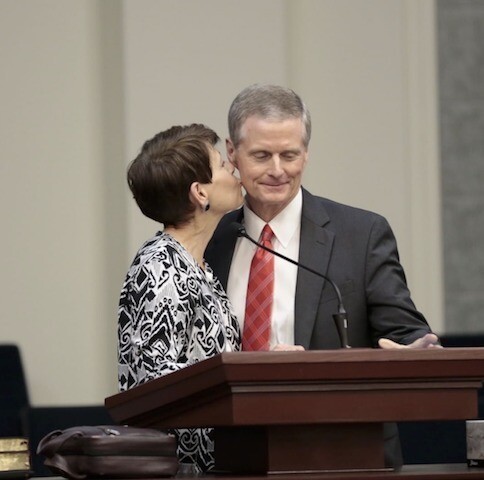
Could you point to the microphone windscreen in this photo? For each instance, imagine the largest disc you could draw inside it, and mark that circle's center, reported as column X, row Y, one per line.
column 238, row 228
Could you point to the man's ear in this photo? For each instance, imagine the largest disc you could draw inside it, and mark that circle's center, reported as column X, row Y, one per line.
column 231, row 152
column 306, row 159
column 198, row 194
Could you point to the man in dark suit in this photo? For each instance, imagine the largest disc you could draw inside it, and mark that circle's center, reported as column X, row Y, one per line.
column 270, row 129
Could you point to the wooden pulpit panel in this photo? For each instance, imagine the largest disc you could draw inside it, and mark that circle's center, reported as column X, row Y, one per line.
column 335, row 401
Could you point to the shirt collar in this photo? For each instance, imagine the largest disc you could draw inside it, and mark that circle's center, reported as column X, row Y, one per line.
column 284, row 224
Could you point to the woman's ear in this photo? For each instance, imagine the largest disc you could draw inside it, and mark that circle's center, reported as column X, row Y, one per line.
column 199, row 195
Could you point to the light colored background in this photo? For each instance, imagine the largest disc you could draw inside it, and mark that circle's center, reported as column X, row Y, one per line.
column 84, row 83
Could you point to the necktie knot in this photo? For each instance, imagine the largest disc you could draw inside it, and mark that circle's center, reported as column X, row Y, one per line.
column 267, row 234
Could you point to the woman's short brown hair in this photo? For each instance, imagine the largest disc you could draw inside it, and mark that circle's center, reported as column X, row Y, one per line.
column 161, row 175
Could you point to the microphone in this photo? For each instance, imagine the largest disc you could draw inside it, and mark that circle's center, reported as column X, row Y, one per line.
column 340, row 318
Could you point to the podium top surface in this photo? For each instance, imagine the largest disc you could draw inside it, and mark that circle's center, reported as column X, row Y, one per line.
column 326, row 365
column 353, row 369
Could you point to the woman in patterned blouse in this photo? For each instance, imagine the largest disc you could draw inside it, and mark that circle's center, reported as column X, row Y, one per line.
column 173, row 312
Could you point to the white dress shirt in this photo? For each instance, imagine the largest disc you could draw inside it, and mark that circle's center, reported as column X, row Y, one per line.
column 286, row 227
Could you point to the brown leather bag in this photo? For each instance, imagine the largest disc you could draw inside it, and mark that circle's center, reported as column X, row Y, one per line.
column 110, row 451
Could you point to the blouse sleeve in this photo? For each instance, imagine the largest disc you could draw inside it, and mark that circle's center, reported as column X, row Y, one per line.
column 155, row 312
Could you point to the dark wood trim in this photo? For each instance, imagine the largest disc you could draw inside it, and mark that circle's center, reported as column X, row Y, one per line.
column 268, row 397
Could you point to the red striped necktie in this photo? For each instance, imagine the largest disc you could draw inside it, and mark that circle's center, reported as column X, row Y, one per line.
column 260, row 293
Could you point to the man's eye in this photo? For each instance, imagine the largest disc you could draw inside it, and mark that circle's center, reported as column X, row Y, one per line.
column 289, row 155
column 260, row 155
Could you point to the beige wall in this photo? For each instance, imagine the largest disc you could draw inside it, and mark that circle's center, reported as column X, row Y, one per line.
column 85, row 83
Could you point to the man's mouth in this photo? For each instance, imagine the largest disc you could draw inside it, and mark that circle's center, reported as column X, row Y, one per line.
column 276, row 186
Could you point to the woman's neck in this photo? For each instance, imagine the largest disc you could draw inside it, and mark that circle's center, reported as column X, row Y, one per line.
column 194, row 238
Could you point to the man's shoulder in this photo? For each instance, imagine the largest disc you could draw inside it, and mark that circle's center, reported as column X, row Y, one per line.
column 337, row 210
column 226, row 230
column 228, row 223
column 231, row 217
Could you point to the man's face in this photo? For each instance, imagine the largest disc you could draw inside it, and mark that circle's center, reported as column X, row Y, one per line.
column 271, row 157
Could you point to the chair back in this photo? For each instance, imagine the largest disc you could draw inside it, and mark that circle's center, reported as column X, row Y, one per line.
column 14, row 398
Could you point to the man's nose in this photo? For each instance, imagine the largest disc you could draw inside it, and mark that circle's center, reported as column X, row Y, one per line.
column 276, row 166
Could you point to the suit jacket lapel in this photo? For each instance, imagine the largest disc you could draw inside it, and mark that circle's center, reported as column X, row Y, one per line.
column 314, row 251
column 220, row 250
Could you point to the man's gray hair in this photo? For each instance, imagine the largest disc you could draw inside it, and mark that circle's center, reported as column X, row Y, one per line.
column 268, row 102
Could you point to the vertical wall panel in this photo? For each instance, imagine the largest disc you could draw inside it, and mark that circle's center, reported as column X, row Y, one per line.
column 186, row 61
column 461, row 75
column 53, row 282
column 367, row 71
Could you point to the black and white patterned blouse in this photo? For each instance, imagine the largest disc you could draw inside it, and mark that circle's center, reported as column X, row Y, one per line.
column 172, row 313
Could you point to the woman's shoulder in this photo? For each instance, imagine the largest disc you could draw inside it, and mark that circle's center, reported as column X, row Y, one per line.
column 160, row 248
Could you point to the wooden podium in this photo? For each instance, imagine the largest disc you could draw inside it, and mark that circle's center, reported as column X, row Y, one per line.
column 309, row 411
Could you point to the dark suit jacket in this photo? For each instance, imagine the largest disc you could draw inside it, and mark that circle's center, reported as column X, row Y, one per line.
column 357, row 250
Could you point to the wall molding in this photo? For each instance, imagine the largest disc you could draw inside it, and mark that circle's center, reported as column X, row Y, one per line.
column 424, row 159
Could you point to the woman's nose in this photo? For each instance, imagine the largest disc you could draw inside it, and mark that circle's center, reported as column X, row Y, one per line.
column 229, row 167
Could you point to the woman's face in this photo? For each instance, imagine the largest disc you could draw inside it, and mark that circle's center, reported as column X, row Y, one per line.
column 225, row 191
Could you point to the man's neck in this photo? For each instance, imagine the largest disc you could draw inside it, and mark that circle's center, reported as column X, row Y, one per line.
column 266, row 212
